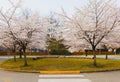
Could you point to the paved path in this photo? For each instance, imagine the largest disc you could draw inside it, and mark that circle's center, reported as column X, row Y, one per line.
column 6, row 76
column 113, row 76
column 63, row 78
column 116, row 57
column 3, row 59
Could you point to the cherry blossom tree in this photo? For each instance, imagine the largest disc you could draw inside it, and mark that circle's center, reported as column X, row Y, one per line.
column 6, row 22
column 10, row 45
column 113, row 41
column 26, row 31
column 93, row 22
column 29, row 32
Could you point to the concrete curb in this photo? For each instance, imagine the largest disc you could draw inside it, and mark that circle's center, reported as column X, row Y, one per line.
column 61, row 72
column 22, row 71
column 106, row 70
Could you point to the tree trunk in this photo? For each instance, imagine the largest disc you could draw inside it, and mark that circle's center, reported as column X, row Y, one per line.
column 86, row 53
column 94, row 58
column 25, row 59
column 106, row 56
column 13, row 51
column 14, row 56
column 48, row 52
column 20, row 53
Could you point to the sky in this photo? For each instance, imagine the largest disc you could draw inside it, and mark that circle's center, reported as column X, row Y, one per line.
column 47, row 6
column 44, row 7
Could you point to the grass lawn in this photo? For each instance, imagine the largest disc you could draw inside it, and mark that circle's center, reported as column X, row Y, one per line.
column 63, row 64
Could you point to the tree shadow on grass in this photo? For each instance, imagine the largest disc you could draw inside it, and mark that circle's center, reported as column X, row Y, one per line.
column 97, row 66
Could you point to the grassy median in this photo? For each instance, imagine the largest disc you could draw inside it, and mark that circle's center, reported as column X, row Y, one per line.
column 57, row 64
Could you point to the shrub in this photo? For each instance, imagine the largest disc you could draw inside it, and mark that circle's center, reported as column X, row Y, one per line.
column 59, row 52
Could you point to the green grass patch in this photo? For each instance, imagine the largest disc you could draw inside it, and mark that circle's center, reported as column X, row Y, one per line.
column 63, row 64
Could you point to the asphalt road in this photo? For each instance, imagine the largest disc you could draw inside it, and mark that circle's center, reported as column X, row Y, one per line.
column 113, row 76
column 6, row 76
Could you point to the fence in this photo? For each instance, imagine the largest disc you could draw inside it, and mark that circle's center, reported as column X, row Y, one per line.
column 27, row 53
column 74, row 53
column 91, row 53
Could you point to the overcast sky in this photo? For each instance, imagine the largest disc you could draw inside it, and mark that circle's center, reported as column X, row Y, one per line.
column 47, row 6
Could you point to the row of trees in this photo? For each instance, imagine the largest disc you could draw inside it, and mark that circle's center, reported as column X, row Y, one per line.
column 91, row 26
